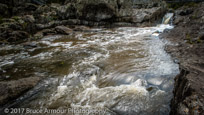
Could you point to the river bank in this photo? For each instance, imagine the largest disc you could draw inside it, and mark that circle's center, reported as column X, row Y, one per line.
column 188, row 50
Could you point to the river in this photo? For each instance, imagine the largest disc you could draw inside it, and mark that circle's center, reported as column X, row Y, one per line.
column 121, row 70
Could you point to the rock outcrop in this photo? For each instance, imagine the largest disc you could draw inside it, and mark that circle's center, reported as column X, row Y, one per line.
column 188, row 92
column 188, row 51
column 113, row 10
column 27, row 17
column 12, row 89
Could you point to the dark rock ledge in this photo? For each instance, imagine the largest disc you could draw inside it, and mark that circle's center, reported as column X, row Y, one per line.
column 188, row 50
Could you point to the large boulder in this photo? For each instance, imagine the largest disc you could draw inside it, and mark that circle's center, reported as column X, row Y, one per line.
column 67, row 11
column 124, row 8
column 92, row 10
column 13, row 89
column 188, row 93
column 63, row 30
column 97, row 10
column 150, row 14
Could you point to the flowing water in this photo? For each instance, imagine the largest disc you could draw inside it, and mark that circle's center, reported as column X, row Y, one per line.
column 168, row 18
column 122, row 71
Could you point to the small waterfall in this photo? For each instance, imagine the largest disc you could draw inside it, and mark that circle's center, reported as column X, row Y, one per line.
column 167, row 18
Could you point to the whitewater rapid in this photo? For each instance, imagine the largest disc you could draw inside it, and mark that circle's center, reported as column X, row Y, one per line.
column 122, row 70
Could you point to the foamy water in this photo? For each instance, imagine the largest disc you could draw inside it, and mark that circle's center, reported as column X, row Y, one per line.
column 124, row 70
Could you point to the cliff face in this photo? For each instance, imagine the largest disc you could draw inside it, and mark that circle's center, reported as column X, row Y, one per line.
column 20, row 19
column 188, row 51
column 92, row 10
column 112, row 10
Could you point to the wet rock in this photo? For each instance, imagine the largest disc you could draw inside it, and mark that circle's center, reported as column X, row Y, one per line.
column 12, row 25
column 30, row 7
column 120, row 24
column 188, row 48
column 177, row 20
column 4, row 32
column 150, row 89
column 91, row 12
column 96, row 10
column 17, row 36
column 15, row 2
column 3, row 10
column 24, row 8
column 201, row 36
column 88, row 10
column 42, row 9
column 30, row 45
column 45, row 14
column 188, row 96
column 45, row 26
column 81, row 28
column 186, row 12
column 146, row 3
column 29, row 18
column 51, row 24
column 67, row 11
column 11, row 90
column 29, row 24
column 63, row 30
column 38, row 35
column 72, row 22
column 48, row 32
column 141, row 15
column 17, row 7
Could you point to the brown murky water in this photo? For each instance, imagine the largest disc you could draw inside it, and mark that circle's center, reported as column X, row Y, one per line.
column 122, row 70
